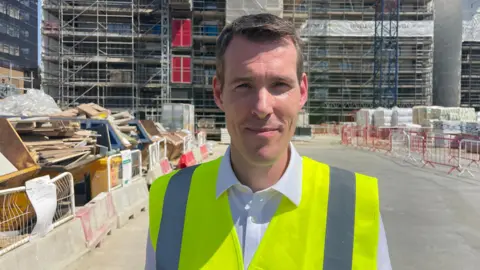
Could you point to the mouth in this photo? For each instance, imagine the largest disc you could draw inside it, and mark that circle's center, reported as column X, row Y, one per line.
column 263, row 131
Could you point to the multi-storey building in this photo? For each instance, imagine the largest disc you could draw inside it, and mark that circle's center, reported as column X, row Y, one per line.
column 137, row 55
column 470, row 80
column 18, row 42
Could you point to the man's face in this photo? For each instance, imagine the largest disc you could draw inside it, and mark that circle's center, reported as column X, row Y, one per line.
column 261, row 96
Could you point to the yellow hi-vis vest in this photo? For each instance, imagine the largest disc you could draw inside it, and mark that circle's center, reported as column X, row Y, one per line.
column 335, row 227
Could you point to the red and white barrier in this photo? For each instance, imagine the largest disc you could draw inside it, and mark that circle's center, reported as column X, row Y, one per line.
column 165, row 166
column 159, row 164
column 204, row 151
column 186, row 160
column 98, row 218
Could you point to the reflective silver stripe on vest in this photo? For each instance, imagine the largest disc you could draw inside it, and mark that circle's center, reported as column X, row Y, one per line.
column 340, row 220
column 169, row 241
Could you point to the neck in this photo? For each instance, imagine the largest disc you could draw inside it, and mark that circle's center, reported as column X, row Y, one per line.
column 258, row 176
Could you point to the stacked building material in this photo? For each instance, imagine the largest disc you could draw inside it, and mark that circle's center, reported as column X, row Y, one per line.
column 425, row 115
column 448, row 127
column 55, row 142
column 365, row 117
column 382, row 117
column 90, row 110
column 401, row 117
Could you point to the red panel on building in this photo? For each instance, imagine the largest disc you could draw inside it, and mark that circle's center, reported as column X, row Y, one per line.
column 181, row 33
column 181, row 69
column 176, row 33
column 186, row 70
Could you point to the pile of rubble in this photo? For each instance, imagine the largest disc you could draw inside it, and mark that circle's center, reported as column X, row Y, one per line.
column 55, row 142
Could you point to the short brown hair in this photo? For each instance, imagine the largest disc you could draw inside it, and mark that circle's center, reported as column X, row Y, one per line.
column 262, row 27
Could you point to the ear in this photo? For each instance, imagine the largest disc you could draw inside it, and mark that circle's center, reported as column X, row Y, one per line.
column 303, row 90
column 217, row 92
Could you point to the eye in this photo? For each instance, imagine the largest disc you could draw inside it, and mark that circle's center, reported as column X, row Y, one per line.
column 280, row 84
column 243, row 86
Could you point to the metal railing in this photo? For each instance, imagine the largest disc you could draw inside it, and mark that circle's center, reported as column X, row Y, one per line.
column 115, row 172
column 155, row 153
column 201, row 138
column 18, row 217
column 187, row 143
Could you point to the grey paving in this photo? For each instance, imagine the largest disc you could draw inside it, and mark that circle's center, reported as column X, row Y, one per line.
column 432, row 220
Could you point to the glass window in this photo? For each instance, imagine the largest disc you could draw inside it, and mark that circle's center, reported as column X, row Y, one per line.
column 6, row 48
column 10, row 30
column 24, row 16
column 25, row 51
column 2, row 7
column 16, row 51
column 14, row 12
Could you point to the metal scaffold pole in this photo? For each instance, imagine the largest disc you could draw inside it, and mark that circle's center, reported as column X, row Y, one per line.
column 165, row 57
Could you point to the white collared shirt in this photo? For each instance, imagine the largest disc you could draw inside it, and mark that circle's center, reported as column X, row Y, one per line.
column 252, row 212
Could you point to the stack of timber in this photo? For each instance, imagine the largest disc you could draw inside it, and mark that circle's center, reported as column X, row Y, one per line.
column 175, row 140
column 55, row 142
column 90, row 110
column 119, row 121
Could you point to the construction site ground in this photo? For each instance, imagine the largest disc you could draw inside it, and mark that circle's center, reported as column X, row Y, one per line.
column 431, row 219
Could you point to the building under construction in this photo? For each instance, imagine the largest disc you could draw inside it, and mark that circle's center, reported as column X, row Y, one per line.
column 139, row 54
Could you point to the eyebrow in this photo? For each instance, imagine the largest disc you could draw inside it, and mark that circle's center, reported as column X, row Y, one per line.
column 250, row 79
column 241, row 79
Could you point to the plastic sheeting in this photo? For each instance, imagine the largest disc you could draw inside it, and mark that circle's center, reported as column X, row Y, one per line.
column 238, row 8
column 336, row 28
column 382, row 117
column 401, row 117
column 32, row 103
column 425, row 115
column 471, row 20
column 364, row 117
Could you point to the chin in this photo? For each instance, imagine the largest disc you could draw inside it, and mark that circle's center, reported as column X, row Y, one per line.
column 264, row 154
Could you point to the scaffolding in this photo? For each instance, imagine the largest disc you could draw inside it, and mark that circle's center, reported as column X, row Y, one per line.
column 106, row 52
column 87, row 58
column 470, row 80
column 385, row 65
column 339, row 48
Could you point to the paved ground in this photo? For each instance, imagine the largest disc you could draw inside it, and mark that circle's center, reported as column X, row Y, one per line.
column 432, row 220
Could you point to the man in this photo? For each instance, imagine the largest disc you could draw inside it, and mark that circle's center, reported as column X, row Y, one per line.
column 262, row 206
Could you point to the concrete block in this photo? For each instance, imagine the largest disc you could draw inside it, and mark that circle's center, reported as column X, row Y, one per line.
column 98, row 219
column 153, row 174
column 59, row 248
column 130, row 200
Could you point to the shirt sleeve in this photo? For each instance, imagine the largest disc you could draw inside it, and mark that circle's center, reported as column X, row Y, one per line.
column 383, row 256
column 150, row 263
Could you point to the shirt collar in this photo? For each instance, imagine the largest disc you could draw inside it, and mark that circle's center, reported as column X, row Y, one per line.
column 289, row 185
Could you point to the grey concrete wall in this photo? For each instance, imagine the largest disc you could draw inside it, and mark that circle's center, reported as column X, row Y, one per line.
column 447, row 40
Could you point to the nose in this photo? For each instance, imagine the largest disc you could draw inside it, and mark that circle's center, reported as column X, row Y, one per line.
column 263, row 104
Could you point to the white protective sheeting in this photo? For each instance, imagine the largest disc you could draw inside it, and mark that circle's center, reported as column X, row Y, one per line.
column 382, row 117
column 365, row 117
column 471, row 29
column 471, row 20
column 238, row 8
column 401, row 117
column 425, row 115
column 335, row 28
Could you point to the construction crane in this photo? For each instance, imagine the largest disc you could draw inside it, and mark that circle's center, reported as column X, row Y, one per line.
column 386, row 52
